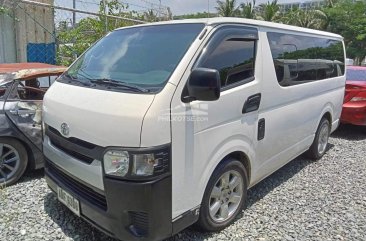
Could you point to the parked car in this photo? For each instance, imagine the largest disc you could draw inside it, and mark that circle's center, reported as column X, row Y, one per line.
column 160, row 126
column 354, row 106
column 22, row 87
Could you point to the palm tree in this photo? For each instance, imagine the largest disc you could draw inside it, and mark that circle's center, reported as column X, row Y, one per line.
column 269, row 11
column 313, row 18
column 227, row 8
column 150, row 16
column 247, row 10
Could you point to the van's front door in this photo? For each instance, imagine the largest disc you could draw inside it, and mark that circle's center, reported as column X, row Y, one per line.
column 204, row 132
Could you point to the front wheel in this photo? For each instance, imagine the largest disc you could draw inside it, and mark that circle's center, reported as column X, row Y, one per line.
column 224, row 197
column 320, row 143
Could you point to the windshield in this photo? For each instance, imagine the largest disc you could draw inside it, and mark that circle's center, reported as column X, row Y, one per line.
column 358, row 75
column 139, row 57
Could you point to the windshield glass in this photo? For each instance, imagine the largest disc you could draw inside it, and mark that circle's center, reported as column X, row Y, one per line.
column 353, row 74
column 138, row 57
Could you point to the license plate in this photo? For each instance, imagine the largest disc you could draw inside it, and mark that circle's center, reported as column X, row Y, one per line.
column 69, row 201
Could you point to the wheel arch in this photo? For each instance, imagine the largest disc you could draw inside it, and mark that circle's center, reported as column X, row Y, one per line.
column 237, row 154
column 327, row 112
column 243, row 158
column 328, row 115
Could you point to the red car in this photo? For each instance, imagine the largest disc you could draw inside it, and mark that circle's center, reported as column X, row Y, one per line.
column 354, row 106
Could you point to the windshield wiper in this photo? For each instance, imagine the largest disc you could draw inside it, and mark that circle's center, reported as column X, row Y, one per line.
column 117, row 83
column 74, row 78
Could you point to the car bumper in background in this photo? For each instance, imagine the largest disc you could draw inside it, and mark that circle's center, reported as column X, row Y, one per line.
column 354, row 113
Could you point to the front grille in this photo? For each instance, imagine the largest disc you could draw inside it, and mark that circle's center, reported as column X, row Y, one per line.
column 81, row 150
column 72, row 153
column 74, row 140
column 78, row 188
column 139, row 223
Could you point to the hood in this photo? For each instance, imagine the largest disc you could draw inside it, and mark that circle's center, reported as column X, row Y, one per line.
column 104, row 118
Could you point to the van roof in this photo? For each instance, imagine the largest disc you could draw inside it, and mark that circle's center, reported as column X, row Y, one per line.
column 227, row 20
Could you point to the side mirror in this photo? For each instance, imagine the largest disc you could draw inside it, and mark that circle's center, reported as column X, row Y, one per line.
column 203, row 84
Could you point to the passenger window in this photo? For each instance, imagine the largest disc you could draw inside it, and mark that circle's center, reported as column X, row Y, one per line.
column 45, row 82
column 232, row 52
column 30, row 90
column 309, row 59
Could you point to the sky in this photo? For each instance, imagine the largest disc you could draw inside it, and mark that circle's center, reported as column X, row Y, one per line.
column 178, row 7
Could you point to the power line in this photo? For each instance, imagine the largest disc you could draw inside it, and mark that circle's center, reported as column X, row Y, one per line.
column 79, row 11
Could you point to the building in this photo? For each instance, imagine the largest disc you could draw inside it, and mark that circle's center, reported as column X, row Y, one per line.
column 26, row 32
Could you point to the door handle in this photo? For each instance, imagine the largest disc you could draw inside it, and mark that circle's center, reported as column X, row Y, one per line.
column 22, row 112
column 252, row 103
column 14, row 112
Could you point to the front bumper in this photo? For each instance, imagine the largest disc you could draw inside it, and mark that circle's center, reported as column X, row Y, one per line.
column 124, row 210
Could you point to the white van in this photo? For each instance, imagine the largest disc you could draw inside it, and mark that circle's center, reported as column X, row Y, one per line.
column 160, row 126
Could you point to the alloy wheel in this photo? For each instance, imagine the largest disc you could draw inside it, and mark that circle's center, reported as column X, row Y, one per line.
column 9, row 162
column 226, row 196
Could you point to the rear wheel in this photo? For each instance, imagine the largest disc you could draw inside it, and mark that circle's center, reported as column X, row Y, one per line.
column 13, row 161
column 320, row 144
column 224, row 197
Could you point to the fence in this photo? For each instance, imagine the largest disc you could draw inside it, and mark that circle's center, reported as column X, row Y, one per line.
column 57, row 31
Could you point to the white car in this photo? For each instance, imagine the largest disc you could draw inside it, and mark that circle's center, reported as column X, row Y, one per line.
column 159, row 126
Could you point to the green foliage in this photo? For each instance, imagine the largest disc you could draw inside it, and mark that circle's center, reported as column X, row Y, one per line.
column 312, row 18
column 73, row 41
column 196, row 15
column 248, row 10
column 3, row 10
column 269, row 11
column 344, row 17
column 227, row 8
column 348, row 19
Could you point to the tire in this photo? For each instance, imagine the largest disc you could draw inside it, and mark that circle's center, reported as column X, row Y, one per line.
column 13, row 161
column 320, row 143
column 211, row 222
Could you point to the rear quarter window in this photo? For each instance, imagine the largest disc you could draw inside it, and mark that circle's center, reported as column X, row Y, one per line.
column 300, row 59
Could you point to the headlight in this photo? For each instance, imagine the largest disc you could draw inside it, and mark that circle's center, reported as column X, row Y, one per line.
column 137, row 163
column 116, row 163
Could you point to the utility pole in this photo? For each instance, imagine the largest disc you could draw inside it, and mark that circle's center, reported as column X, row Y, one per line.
column 74, row 14
column 105, row 16
column 208, row 8
column 159, row 10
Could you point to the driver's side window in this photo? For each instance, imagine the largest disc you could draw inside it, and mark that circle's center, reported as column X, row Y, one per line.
column 232, row 52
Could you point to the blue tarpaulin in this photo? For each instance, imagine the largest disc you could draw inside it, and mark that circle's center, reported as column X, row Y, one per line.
column 41, row 52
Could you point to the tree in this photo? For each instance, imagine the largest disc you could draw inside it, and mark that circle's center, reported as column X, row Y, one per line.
column 196, row 15
column 312, row 18
column 150, row 16
column 72, row 42
column 348, row 19
column 248, row 10
column 227, row 8
column 269, row 11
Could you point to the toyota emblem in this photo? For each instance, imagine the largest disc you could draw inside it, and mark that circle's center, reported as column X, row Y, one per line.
column 65, row 130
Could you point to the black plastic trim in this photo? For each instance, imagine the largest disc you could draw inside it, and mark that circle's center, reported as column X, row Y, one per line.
column 79, row 149
column 185, row 220
column 151, row 200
